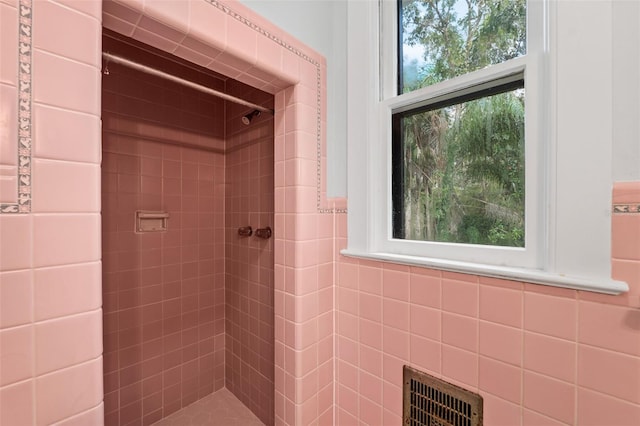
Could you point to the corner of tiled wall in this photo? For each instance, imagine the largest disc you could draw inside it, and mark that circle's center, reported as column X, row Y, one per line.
column 249, row 265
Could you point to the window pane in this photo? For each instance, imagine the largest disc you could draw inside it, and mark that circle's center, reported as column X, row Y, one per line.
column 442, row 39
column 458, row 171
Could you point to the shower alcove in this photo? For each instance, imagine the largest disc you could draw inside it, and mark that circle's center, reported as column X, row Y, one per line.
column 187, row 310
column 248, row 53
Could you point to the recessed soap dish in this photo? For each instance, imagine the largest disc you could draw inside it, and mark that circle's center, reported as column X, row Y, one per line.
column 147, row 221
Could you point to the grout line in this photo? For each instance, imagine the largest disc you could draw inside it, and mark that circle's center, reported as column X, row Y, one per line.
column 67, row 110
column 58, row 160
column 522, row 369
column 32, row 325
column 58, row 3
column 576, row 365
column 336, row 258
column 84, row 412
column 69, row 367
column 95, row 66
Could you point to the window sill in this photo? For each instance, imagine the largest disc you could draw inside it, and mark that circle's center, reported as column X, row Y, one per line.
column 606, row 286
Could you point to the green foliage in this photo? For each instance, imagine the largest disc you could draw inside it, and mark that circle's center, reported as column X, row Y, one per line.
column 501, row 35
column 490, row 140
column 489, row 32
column 464, row 164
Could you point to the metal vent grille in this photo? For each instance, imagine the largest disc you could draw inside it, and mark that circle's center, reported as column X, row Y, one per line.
column 429, row 401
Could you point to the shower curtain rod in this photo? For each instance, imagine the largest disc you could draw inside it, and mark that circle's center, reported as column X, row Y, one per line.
column 148, row 70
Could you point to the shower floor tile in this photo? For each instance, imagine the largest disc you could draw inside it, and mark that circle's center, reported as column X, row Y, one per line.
column 221, row 408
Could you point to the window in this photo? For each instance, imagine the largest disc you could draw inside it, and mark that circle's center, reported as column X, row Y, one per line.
column 458, row 161
column 462, row 133
column 461, row 136
column 458, row 169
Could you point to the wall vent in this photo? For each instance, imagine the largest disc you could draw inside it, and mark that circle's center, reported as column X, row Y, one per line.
column 429, row 401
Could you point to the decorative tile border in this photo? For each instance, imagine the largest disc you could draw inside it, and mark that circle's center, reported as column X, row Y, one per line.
column 25, row 105
column 25, row 24
column 626, row 208
column 315, row 63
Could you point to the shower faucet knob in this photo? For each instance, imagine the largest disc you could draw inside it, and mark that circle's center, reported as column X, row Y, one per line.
column 245, row 231
column 264, row 233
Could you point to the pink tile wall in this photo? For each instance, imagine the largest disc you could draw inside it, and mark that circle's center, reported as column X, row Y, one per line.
column 304, row 269
column 249, row 357
column 537, row 355
column 66, row 91
column 159, row 111
column 163, row 292
column 50, row 299
column 588, row 331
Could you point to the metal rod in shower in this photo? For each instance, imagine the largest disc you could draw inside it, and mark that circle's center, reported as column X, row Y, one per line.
column 148, row 70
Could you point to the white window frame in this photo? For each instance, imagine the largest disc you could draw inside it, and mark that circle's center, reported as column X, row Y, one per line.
column 565, row 246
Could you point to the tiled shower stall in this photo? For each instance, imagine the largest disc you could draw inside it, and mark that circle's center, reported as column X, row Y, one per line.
column 187, row 310
column 490, row 336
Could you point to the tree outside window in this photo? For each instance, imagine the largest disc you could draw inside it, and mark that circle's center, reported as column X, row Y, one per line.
column 459, row 165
